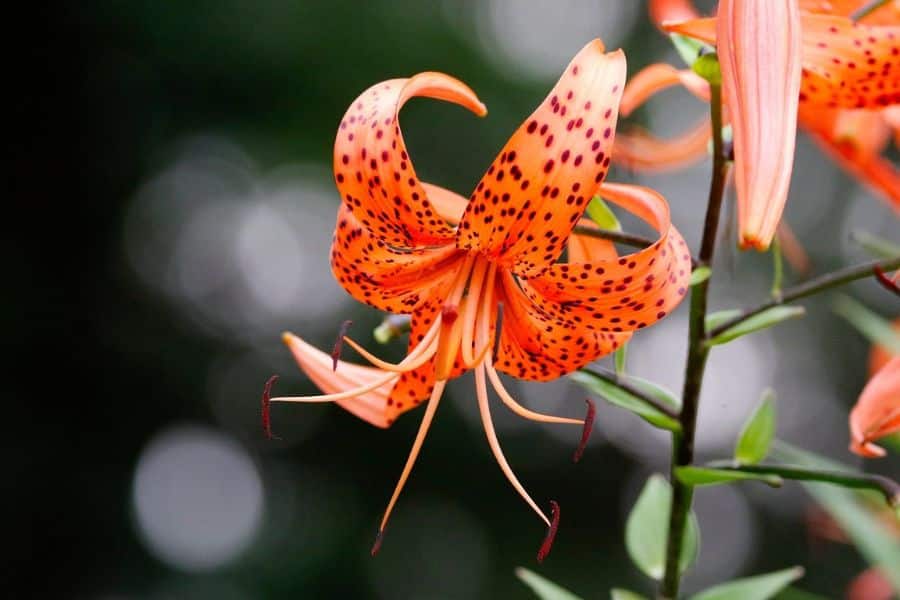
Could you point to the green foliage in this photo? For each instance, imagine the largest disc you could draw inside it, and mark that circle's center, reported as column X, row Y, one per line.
column 858, row 520
column 707, row 476
column 620, row 594
column 707, row 67
column 719, row 318
column 543, row 587
column 647, row 526
column 616, row 395
column 763, row 320
column 874, row 245
column 601, row 214
column 699, row 275
column 756, row 436
column 877, row 329
column 620, row 356
column 758, row 587
column 688, row 49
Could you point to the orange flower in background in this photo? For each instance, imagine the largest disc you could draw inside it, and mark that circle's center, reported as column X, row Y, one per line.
column 849, row 87
column 877, row 412
column 880, row 356
column 404, row 246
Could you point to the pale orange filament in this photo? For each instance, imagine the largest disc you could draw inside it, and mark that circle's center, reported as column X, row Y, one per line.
column 417, row 445
column 517, row 408
column 471, row 310
column 429, row 342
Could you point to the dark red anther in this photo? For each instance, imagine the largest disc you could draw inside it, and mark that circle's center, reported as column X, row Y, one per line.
column 551, row 533
column 586, row 430
column 266, row 406
column 888, row 283
column 377, row 545
column 339, row 343
column 449, row 314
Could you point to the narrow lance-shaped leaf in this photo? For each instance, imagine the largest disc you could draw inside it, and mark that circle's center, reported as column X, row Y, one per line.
column 764, row 320
column 688, row 49
column 753, row 443
column 621, row 356
column 859, row 522
column 620, row 594
column 715, row 319
column 707, row 476
column 874, row 245
column 601, row 214
column 699, row 275
column 645, row 530
column 758, row 587
column 876, row 329
column 543, row 587
column 620, row 397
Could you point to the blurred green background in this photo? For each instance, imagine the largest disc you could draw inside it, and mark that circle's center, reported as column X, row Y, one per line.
column 172, row 212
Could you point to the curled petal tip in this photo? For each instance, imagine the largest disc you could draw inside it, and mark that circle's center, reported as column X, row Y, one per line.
column 551, row 533
column 287, row 337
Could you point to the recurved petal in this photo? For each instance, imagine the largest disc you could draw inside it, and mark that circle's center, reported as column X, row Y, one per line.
column 623, row 294
column 373, row 171
column 759, row 54
column 380, row 275
column 656, row 77
column 538, row 345
column 639, row 150
column 318, row 366
column 700, row 29
column 662, row 11
column 877, row 412
column 449, row 205
column 888, row 14
column 587, row 248
column 537, row 188
column 849, row 65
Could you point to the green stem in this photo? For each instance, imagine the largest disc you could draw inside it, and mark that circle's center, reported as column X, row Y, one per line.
column 864, row 11
column 885, row 485
column 683, row 443
column 811, row 287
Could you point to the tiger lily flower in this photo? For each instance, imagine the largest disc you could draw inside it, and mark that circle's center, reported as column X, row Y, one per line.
column 847, row 95
column 877, row 412
column 407, row 247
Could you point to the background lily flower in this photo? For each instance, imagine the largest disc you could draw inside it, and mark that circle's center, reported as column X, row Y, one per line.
column 404, row 246
column 837, row 56
column 877, row 412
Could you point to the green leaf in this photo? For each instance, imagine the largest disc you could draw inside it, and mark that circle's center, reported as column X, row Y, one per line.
column 857, row 520
column 543, row 588
column 759, row 587
column 721, row 317
column 699, row 275
column 874, row 245
column 620, row 356
column 614, row 394
column 706, row 476
column 688, row 49
column 877, row 329
column 756, row 436
column 620, row 594
column 707, row 67
column 602, row 215
column 645, row 530
column 764, row 320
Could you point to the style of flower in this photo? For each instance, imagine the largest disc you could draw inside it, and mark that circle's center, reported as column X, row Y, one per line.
column 847, row 98
column 404, row 246
column 877, row 412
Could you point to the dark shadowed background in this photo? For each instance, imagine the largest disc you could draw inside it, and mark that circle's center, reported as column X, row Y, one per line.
column 172, row 212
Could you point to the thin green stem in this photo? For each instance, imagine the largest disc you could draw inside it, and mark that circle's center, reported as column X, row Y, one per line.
column 812, row 287
column 698, row 351
column 865, row 10
column 888, row 487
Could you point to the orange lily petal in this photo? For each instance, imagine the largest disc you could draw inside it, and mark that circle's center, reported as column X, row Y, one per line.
column 662, row 11
column 891, row 116
column 655, row 78
column 371, row 406
column 887, row 14
column 525, row 206
column 759, row 54
column 624, row 294
column 871, row 584
column 880, row 356
column 538, row 347
column 877, row 412
column 638, row 150
column 448, row 205
column 699, row 29
column 849, row 65
column 380, row 275
column 586, row 248
column 374, row 174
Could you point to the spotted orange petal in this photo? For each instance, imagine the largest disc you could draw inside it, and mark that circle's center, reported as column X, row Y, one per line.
column 380, row 275
column 850, row 65
column 877, row 412
column 627, row 293
column 537, row 188
column 373, row 171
